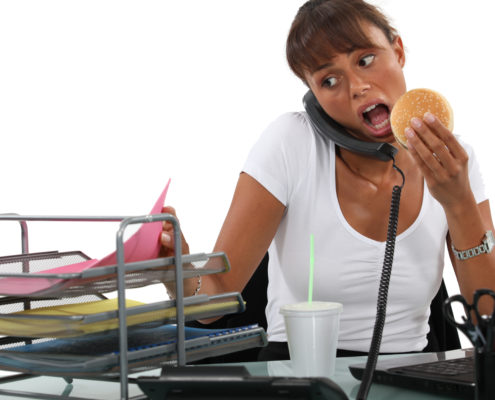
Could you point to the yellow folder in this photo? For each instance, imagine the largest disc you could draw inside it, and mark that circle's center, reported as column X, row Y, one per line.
column 43, row 322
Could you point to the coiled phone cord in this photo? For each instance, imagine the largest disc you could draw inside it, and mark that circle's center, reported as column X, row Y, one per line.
column 381, row 305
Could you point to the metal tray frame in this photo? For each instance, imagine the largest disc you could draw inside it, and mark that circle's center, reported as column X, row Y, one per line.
column 120, row 271
column 102, row 279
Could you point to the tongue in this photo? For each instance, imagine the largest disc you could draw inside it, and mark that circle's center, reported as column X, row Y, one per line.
column 378, row 114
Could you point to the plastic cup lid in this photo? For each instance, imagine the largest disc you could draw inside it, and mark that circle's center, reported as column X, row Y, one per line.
column 318, row 307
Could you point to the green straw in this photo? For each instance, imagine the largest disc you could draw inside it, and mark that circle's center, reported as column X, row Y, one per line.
column 311, row 268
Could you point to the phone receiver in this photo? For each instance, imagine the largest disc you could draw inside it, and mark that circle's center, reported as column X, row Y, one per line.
column 331, row 129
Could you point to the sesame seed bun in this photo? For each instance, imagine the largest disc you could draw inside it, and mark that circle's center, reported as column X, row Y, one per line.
column 415, row 103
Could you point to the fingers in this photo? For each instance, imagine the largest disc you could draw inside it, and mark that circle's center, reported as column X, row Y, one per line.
column 441, row 158
column 167, row 238
column 434, row 146
column 444, row 135
column 428, row 150
column 169, row 210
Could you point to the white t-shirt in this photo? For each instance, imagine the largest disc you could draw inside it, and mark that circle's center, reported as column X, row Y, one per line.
column 297, row 166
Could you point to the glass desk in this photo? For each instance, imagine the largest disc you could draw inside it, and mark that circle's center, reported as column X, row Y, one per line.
column 44, row 387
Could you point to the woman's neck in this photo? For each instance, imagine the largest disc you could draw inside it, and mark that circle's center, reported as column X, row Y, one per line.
column 372, row 170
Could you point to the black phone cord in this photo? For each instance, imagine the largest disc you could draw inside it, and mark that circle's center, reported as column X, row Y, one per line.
column 381, row 305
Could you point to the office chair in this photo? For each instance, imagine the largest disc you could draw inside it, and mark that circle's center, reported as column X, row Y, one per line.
column 442, row 336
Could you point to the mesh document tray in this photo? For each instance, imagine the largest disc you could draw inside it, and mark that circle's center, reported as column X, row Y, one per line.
column 69, row 320
column 97, row 354
column 38, row 275
column 37, row 261
column 18, row 304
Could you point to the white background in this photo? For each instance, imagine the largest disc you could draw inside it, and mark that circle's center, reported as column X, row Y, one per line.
column 102, row 101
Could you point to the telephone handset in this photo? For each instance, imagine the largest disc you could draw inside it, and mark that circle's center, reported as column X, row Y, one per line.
column 327, row 127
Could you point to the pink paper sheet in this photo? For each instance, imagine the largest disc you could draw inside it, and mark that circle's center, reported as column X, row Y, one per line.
column 142, row 245
column 29, row 286
column 145, row 243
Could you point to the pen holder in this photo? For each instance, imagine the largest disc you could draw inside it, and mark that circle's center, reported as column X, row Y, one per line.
column 485, row 375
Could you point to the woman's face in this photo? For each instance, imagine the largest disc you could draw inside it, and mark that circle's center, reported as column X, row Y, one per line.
column 359, row 88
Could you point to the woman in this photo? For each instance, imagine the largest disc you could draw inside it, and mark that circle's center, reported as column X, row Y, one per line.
column 295, row 183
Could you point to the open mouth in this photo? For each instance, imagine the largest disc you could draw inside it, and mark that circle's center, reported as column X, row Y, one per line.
column 377, row 116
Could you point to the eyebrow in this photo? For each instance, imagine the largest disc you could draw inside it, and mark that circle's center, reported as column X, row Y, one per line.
column 331, row 64
column 323, row 66
column 327, row 63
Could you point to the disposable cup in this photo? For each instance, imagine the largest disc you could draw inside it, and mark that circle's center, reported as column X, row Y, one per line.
column 312, row 334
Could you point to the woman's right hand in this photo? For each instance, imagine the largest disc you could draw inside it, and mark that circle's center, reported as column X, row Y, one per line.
column 168, row 250
column 167, row 236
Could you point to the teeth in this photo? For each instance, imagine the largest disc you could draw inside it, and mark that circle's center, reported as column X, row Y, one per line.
column 382, row 124
column 370, row 108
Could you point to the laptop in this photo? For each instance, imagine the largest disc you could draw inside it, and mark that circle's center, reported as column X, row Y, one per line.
column 450, row 373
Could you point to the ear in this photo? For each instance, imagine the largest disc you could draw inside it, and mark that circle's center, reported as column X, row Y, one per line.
column 399, row 51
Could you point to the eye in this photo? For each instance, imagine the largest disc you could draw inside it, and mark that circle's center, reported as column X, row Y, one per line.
column 366, row 60
column 330, row 82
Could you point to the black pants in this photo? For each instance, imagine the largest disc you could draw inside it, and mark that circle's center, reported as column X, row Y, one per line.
column 280, row 351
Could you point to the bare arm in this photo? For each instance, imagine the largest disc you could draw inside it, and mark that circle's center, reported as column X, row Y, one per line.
column 466, row 231
column 444, row 164
column 246, row 234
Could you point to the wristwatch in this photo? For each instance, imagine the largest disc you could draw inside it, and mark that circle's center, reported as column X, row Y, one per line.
column 485, row 247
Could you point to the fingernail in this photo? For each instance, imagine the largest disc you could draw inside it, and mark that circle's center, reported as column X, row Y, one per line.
column 416, row 122
column 166, row 237
column 429, row 117
column 409, row 133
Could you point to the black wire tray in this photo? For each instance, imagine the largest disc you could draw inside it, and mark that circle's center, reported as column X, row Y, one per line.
column 30, row 278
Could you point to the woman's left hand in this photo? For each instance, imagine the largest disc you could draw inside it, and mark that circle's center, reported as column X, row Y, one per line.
column 442, row 159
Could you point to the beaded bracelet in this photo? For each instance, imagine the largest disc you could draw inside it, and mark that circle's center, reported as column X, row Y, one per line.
column 196, row 291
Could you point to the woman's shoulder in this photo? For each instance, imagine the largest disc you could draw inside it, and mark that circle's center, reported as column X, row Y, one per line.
column 291, row 121
column 289, row 138
column 468, row 147
column 290, row 127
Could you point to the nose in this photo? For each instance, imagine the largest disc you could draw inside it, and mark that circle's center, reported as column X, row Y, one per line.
column 358, row 86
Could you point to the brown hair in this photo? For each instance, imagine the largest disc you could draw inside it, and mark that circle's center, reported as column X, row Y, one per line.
column 325, row 27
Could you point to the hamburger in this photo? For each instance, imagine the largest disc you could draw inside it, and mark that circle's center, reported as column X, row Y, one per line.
column 415, row 103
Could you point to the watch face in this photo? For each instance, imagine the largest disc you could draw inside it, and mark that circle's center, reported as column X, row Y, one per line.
column 490, row 241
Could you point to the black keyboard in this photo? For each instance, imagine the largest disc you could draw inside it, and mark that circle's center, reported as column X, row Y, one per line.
column 457, row 367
